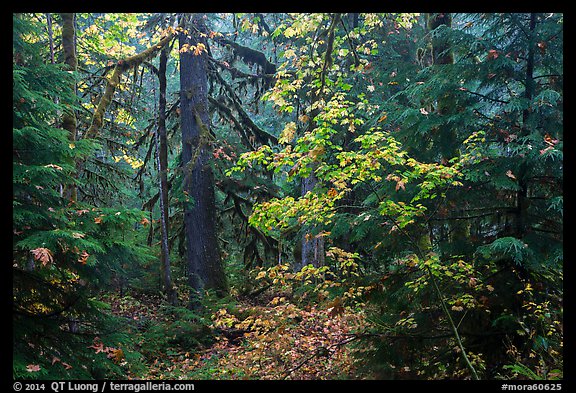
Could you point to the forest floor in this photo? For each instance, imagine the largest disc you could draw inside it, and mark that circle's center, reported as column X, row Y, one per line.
column 272, row 338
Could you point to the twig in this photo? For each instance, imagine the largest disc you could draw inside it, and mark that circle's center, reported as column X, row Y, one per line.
column 321, row 351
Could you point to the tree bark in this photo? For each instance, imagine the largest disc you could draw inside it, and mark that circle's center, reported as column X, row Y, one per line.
column 313, row 247
column 445, row 136
column 69, row 122
column 205, row 269
column 162, row 159
column 529, row 91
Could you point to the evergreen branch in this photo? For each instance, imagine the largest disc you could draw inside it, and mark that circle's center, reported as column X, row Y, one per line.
column 440, row 295
column 223, row 109
column 262, row 135
column 485, row 97
column 236, row 72
column 248, row 55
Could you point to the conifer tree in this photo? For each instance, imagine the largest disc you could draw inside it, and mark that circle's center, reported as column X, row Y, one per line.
column 203, row 255
column 60, row 250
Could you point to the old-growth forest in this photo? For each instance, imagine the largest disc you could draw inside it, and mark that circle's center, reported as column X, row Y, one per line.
column 287, row 196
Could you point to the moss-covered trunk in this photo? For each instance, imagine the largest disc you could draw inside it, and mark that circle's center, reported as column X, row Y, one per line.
column 203, row 252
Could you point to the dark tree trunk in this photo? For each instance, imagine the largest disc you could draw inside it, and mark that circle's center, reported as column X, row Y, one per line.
column 441, row 53
column 69, row 118
column 162, row 147
column 530, row 88
column 203, row 255
column 445, row 136
column 312, row 246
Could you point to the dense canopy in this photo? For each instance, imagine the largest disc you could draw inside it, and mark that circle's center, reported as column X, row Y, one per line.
column 287, row 196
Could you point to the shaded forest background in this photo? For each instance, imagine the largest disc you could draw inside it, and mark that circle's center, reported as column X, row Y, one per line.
column 287, row 196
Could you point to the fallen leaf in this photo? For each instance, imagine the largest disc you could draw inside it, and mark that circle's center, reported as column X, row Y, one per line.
column 117, row 355
column 32, row 368
column 510, row 174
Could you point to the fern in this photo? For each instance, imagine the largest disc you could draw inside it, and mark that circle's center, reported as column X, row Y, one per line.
column 523, row 370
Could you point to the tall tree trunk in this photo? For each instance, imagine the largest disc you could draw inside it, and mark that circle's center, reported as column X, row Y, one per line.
column 69, row 117
column 312, row 246
column 441, row 52
column 50, row 37
column 204, row 264
column 522, row 199
column 313, row 252
column 445, row 136
column 442, row 55
column 162, row 158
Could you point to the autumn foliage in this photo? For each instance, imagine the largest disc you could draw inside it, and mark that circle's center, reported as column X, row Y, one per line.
column 288, row 196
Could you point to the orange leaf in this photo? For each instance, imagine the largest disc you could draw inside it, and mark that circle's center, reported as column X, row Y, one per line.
column 32, row 368
column 83, row 258
column 548, row 139
column 98, row 345
column 510, row 174
column 43, row 255
column 117, row 355
column 98, row 220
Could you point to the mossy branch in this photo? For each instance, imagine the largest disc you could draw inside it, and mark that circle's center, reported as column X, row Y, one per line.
column 260, row 134
column 249, row 55
column 114, row 81
column 224, row 110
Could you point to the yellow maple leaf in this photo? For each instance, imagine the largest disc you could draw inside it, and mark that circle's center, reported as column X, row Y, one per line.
column 198, row 49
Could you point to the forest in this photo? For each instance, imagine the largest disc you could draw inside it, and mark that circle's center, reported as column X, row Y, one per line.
column 287, row 196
